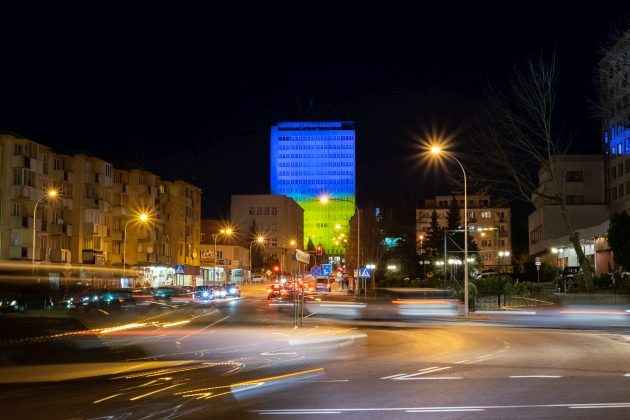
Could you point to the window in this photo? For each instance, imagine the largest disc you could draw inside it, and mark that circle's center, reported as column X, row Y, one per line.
column 471, row 216
column 486, row 214
column 576, row 176
column 500, row 216
column 15, row 209
column 259, row 211
column 536, row 234
column 274, row 210
column 579, row 199
column 620, row 169
column 274, row 241
column 621, row 191
column 17, row 150
column 266, row 211
column 613, row 172
column 252, row 211
column 486, row 243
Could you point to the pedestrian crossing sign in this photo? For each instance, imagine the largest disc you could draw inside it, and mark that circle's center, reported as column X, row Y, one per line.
column 179, row 269
column 365, row 273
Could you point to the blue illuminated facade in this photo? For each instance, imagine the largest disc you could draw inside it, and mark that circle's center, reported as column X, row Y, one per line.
column 309, row 159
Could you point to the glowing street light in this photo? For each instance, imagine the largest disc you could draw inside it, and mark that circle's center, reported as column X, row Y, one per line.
column 437, row 151
column 260, row 241
column 142, row 218
column 52, row 193
column 227, row 232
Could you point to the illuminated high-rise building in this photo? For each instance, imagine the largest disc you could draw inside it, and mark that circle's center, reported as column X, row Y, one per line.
column 310, row 159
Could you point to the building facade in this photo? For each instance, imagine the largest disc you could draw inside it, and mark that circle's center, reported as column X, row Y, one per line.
column 277, row 217
column 80, row 233
column 311, row 159
column 581, row 178
column 489, row 225
column 615, row 105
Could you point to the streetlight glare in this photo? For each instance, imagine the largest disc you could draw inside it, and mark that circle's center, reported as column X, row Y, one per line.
column 436, row 150
column 52, row 193
column 143, row 217
column 324, row 199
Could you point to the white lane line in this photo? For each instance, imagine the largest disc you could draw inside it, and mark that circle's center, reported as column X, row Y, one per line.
column 424, row 372
column 611, row 405
column 627, row 375
column 427, row 378
column 445, row 410
column 437, row 409
column 330, row 381
column 393, row 376
column 462, row 361
column 534, row 376
column 276, row 413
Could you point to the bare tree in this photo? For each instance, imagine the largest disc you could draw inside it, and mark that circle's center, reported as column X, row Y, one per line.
column 514, row 139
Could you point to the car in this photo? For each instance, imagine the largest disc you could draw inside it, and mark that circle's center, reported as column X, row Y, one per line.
column 25, row 301
column 274, row 291
column 258, row 279
column 166, row 292
column 204, row 293
column 232, row 290
column 569, row 277
column 219, row 292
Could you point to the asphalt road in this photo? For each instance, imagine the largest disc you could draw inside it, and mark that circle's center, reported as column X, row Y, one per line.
column 243, row 358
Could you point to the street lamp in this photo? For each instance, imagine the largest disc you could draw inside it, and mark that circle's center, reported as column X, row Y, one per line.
column 260, row 240
column 437, row 151
column 143, row 218
column 226, row 232
column 324, row 199
column 49, row 194
column 501, row 255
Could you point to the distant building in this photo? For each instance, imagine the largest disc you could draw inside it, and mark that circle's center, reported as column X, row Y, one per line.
column 489, row 224
column 310, row 159
column 277, row 217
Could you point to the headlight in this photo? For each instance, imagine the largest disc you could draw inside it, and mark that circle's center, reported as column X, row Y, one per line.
column 223, row 293
column 232, row 290
column 205, row 294
column 13, row 302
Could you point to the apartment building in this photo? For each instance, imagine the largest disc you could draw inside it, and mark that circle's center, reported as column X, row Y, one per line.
column 489, row 225
column 81, row 231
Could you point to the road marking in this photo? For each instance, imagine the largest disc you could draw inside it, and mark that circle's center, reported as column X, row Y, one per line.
column 427, row 378
column 437, row 409
column 444, row 410
column 393, row 376
column 535, row 376
column 462, row 361
column 627, row 375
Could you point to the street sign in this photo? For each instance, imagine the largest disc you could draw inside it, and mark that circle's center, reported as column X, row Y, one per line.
column 303, row 257
column 268, row 272
column 316, row 271
column 538, row 261
column 339, row 275
column 326, row 269
column 365, row 273
column 179, row 269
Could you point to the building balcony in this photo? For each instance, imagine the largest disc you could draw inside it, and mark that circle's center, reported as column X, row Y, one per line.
column 60, row 256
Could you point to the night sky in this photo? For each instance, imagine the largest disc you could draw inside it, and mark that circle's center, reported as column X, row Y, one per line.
column 191, row 93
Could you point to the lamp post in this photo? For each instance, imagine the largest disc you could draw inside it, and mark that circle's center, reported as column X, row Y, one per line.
column 260, row 240
column 501, row 255
column 49, row 194
column 142, row 218
column 324, row 199
column 226, row 232
column 437, row 150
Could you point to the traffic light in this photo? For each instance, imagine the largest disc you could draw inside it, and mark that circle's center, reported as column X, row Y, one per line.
column 276, row 268
column 319, row 250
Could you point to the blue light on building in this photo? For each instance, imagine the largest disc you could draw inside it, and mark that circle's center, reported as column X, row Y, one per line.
column 309, row 159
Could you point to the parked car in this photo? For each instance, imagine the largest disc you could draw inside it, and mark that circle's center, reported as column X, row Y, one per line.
column 258, row 279
column 569, row 277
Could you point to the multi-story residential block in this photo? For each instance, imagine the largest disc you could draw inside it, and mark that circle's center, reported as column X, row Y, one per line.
column 311, row 159
column 279, row 218
column 489, row 225
column 615, row 106
column 581, row 178
column 84, row 226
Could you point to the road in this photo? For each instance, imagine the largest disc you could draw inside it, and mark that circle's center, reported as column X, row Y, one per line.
column 243, row 358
